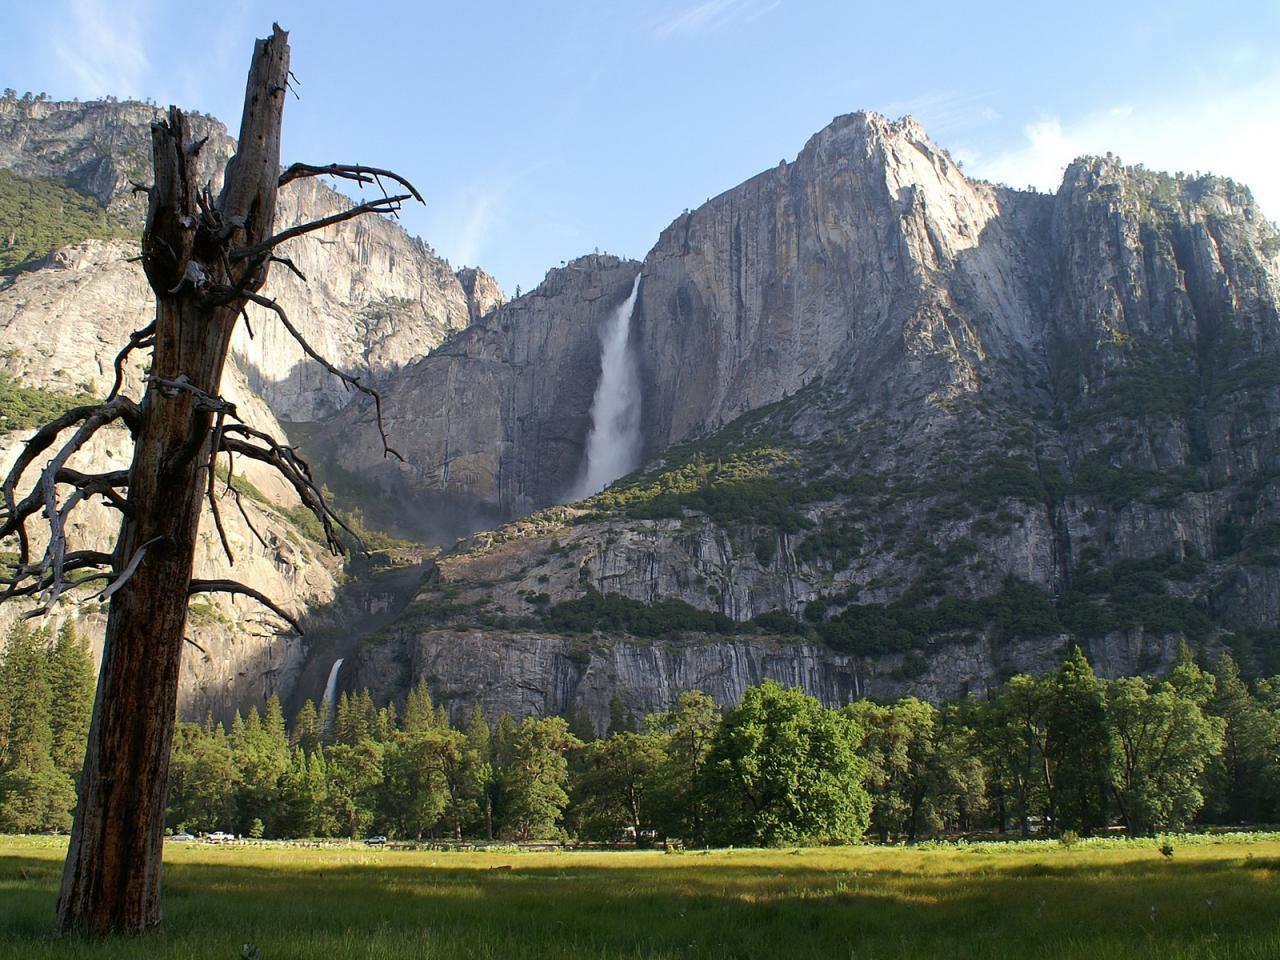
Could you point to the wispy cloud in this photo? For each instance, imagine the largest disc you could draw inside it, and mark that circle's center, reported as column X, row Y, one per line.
column 946, row 110
column 712, row 15
column 471, row 225
column 1232, row 133
column 100, row 46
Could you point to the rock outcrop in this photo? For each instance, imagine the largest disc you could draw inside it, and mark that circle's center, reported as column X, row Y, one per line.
column 497, row 416
column 904, row 432
column 991, row 422
column 375, row 298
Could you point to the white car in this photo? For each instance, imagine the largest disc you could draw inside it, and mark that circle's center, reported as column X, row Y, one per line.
column 219, row 837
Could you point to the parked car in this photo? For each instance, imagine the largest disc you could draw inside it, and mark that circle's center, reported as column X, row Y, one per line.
column 184, row 836
column 219, row 837
column 377, row 841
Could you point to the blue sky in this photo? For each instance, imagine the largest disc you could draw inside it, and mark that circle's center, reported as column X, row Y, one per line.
column 541, row 130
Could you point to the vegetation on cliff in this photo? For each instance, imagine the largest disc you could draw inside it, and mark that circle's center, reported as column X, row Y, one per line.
column 40, row 214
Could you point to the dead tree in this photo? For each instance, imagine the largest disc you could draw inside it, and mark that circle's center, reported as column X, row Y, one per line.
column 205, row 259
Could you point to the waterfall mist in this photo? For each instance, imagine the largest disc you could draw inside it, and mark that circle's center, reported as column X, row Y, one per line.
column 613, row 445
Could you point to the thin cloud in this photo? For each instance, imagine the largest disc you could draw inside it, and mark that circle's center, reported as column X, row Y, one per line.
column 100, row 47
column 1229, row 133
column 467, row 237
column 713, row 15
column 947, row 110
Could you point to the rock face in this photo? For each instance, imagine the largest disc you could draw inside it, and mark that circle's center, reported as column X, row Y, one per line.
column 889, row 387
column 375, row 298
column 497, row 416
column 483, row 292
column 529, row 674
column 905, row 432
column 100, row 147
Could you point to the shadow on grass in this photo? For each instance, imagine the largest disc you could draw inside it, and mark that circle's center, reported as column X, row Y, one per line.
column 764, row 906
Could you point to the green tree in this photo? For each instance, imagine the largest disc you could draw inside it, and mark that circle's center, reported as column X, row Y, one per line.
column 1012, row 732
column 783, row 769
column 1239, row 783
column 959, row 788
column 34, row 794
column 202, row 778
column 261, row 751
column 72, row 679
column 621, row 720
column 415, row 790
column 302, row 798
column 690, row 730
column 898, row 745
column 616, row 785
column 308, row 730
column 472, row 794
column 356, row 720
column 354, row 774
column 1161, row 741
column 534, row 777
column 1077, row 746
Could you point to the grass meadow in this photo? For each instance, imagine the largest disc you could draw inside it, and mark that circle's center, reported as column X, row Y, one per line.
column 1214, row 898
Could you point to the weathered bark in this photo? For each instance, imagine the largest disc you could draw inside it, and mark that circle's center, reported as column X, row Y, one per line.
column 111, row 882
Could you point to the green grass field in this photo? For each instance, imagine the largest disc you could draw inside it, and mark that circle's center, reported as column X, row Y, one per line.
column 1213, row 898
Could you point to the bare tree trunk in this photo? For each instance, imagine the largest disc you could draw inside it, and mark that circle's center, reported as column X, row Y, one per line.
column 111, row 881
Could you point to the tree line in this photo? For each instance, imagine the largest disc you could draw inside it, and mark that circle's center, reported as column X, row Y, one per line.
column 1064, row 752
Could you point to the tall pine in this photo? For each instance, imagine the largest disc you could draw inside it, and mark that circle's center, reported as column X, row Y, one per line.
column 34, row 794
column 72, row 679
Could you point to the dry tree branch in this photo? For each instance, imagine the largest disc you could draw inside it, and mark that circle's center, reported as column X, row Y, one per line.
column 244, row 513
column 294, row 470
column 129, row 570
column 104, row 484
column 236, row 587
column 285, row 262
column 350, row 381
column 138, row 339
column 44, row 491
column 98, row 415
column 348, row 171
column 31, row 580
column 212, row 493
column 383, row 205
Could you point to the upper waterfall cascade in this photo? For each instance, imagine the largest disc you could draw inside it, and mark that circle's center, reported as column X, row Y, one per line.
column 613, row 445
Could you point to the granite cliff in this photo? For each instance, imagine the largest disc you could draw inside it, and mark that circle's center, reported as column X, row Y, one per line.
column 903, row 431
column 376, row 299
column 916, row 431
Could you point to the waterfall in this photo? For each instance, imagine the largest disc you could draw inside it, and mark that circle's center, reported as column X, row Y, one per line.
column 329, row 705
column 613, row 445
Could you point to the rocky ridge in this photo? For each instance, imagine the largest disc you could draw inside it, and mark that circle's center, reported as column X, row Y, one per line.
column 376, row 299
column 931, row 430
column 905, row 433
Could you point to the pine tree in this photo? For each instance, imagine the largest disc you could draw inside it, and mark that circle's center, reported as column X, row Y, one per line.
column 72, row 679
column 306, row 732
column 34, row 794
column 419, row 711
column 261, row 751
column 202, row 778
column 1252, row 735
column 1077, row 745
column 480, row 772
